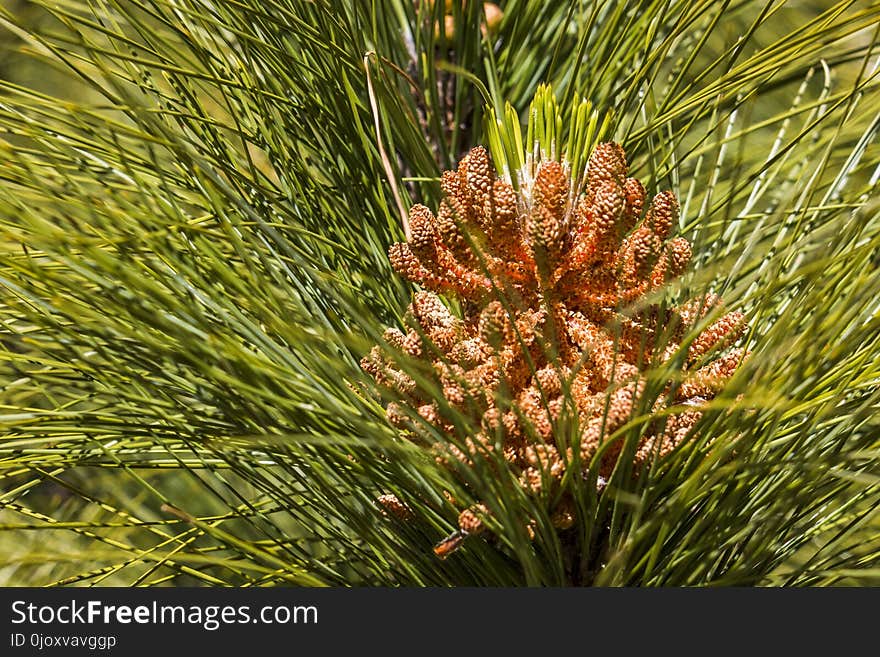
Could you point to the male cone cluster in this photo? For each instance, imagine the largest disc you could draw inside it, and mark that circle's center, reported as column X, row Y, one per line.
column 553, row 285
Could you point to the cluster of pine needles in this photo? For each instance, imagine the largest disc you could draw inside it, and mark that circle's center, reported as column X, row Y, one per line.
column 197, row 201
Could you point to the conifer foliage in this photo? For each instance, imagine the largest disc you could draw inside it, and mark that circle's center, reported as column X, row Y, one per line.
column 270, row 314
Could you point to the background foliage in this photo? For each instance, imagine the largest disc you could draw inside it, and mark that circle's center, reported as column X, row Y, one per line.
column 195, row 205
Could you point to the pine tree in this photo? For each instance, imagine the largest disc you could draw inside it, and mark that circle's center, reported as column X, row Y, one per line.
column 303, row 292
